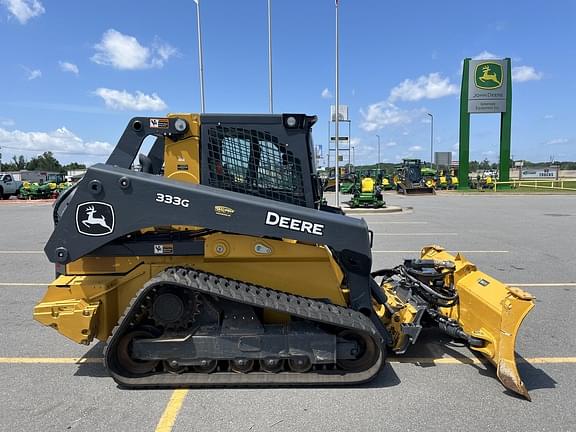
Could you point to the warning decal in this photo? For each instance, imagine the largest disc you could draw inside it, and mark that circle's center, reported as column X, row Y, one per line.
column 159, row 123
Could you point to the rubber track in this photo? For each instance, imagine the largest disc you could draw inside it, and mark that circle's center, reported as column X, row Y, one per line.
column 260, row 297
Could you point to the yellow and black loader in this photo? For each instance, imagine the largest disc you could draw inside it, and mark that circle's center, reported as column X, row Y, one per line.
column 216, row 264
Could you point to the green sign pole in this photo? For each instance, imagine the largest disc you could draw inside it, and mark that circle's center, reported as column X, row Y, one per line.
column 464, row 146
column 506, row 128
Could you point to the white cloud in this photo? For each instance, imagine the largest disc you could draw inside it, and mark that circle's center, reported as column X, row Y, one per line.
column 556, row 141
column 7, row 122
column 32, row 74
column 432, row 86
column 59, row 141
column 391, row 144
column 415, row 148
column 326, row 94
column 123, row 100
column 69, row 67
column 525, row 73
column 485, row 55
column 23, row 10
column 162, row 52
column 355, row 141
column 126, row 53
column 549, row 116
column 383, row 114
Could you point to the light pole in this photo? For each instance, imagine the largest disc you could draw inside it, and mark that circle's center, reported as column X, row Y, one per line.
column 353, row 159
column 378, row 136
column 270, row 98
column 200, row 57
column 431, row 139
column 336, row 123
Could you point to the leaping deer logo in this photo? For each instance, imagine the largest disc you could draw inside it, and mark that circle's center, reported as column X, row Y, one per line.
column 488, row 76
column 92, row 220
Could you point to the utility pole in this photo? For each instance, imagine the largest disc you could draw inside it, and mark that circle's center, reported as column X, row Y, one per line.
column 431, row 139
column 270, row 94
column 378, row 136
column 336, row 123
column 200, row 58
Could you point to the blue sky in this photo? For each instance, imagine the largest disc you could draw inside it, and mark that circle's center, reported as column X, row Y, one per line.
column 74, row 72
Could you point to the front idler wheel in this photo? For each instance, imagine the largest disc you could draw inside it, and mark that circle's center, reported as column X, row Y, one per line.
column 366, row 352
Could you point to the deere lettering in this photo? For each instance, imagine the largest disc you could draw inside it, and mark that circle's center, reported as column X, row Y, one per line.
column 274, row 219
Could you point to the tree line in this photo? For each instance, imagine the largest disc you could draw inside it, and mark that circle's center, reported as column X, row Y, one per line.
column 474, row 165
column 44, row 162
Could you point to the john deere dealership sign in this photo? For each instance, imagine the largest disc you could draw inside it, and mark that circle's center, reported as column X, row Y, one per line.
column 487, row 86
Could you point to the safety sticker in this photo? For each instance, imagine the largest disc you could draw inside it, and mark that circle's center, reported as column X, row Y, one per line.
column 164, row 249
column 159, row 123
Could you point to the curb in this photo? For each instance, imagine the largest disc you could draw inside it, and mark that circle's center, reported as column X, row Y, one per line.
column 383, row 210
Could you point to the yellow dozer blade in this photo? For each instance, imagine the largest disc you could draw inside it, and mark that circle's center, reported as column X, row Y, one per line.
column 488, row 310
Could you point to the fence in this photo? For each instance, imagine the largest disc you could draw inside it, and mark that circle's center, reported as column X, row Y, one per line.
column 567, row 185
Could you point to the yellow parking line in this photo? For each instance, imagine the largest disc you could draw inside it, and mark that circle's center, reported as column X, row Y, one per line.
column 20, row 252
column 453, row 252
column 52, row 360
column 536, row 360
column 431, row 360
column 536, row 285
column 171, row 411
column 470, row 360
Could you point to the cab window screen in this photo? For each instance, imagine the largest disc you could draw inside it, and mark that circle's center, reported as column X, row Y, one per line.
column 255, row 163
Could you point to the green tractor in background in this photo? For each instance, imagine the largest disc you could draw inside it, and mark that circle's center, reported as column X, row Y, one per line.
column 52, row 188
column 367, row 193
column 430, row 177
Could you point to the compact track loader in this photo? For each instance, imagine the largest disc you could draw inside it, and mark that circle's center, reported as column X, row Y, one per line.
column 216, row 264
column 411, row 181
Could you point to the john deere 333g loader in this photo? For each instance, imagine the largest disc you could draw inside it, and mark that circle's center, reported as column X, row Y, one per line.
column 216, row 264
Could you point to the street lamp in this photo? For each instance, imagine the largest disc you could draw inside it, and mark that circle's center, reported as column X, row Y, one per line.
column 200, row 57
column 378, row 136
column 431, row 138
column 270, row 98
column 336, row 122
column 353, row 159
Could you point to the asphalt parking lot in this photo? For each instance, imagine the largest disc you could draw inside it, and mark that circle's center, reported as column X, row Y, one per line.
column 528, row 241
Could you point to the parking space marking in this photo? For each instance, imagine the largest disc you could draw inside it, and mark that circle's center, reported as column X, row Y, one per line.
column 418, row 234
column 171, row 411
column 50, row 360
column 462, row 251
column 474, row 360
column 544, row 285
column 398, row 222
column 23, row 252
